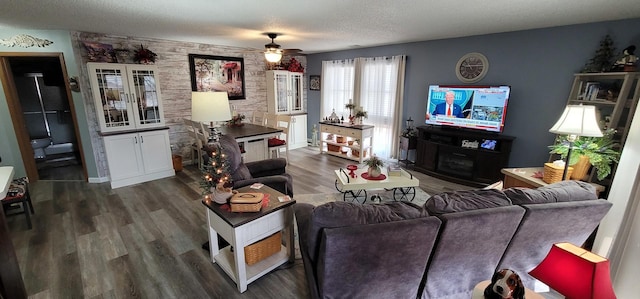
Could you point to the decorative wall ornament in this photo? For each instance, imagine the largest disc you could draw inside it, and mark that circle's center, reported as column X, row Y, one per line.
column 25, row 41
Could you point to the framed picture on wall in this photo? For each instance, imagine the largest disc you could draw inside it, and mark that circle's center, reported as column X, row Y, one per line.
column 314, row 82
column 217, row 73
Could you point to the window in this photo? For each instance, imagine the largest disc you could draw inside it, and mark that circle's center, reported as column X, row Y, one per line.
column 375, row 84
column 337, row 88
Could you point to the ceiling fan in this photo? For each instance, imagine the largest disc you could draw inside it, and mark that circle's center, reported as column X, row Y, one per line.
column 273, row 52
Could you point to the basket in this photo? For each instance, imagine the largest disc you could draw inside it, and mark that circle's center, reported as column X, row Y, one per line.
column 553, row 173
column 341, row 139
column 246, row 202
column 356, row 153
column 262, row 249
column 333, row 148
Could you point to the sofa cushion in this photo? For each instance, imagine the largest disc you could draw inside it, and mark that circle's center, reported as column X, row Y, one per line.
column 556, row 192
column 340, row 214
column 460, row 201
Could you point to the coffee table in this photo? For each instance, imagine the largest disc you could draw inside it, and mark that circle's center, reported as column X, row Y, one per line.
column 242, row 229
column 355, row 188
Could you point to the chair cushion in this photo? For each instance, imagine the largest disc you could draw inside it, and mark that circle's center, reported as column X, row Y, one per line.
column 17, row 188
column 276, row 142
column 468, row 200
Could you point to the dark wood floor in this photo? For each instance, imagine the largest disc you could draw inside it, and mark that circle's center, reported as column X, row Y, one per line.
column 144, row 241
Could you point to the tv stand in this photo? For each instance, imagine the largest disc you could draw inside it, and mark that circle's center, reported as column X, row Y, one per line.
column 458, row 156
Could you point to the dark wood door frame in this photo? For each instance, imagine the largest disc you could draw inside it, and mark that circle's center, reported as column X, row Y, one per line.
column 15, row 109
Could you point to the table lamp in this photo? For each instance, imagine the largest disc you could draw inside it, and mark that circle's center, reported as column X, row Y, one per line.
column 211, row 107
column 575, row 273
column 575, row 121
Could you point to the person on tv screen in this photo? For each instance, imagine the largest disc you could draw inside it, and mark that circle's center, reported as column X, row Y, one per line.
column 448, row 108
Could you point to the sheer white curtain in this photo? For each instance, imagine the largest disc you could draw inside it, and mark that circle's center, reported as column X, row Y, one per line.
column 337, row 86
column 379, row 90
column 376, row 84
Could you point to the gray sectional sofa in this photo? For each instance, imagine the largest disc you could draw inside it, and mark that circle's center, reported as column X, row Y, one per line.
column 444, row 248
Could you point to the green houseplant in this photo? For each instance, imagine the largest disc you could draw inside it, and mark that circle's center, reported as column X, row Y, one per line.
column 375, row 166
column 601, row 152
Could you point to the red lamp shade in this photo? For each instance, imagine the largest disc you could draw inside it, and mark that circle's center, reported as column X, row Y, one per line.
column 575, row 273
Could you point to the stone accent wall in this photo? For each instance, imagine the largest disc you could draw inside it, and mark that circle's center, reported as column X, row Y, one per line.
column 175, row 84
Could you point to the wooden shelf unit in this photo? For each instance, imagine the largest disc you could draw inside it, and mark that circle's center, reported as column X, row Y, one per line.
column 616, row 99
column 363, row 133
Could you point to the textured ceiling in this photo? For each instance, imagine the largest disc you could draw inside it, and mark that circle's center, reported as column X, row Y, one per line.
column 313, row 26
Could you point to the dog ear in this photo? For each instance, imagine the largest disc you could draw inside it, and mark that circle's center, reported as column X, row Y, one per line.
column 518, row 292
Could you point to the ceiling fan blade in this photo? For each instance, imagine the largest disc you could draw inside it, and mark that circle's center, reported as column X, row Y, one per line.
column 293, row 52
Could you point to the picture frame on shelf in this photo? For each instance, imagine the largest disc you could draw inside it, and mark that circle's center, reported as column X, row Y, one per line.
column 99, row 52
column 218, row 73
column 314, row 82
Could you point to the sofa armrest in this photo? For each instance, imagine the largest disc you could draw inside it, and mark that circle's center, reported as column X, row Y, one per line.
column 304, row 212
column 267, row 167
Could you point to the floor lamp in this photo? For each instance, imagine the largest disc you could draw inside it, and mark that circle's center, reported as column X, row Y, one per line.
column 210, row 107
column 576, row 120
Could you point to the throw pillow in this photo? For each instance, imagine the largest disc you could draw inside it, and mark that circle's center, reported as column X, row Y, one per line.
column 556, row 192
column 497, row 185
column 468, row 200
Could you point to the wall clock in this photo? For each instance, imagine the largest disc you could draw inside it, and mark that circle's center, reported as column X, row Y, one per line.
column 472, row 67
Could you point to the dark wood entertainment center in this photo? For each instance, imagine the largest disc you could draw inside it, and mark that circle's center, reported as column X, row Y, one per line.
column 457, row 155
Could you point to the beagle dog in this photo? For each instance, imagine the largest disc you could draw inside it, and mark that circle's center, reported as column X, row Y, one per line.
column 505, row 284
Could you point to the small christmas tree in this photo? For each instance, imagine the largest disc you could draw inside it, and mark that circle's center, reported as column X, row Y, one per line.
column 215, row 173
column 602, row 61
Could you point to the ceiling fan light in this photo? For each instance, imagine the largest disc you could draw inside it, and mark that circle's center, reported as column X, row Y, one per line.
column 273, row 55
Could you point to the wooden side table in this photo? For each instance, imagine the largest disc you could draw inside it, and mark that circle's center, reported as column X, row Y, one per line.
column 478, row 291
column 242, row 229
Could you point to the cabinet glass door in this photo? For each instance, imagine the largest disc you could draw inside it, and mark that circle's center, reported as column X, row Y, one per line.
column 296, row 92
column 112, row 89
column 145, row 97
column 282, row 92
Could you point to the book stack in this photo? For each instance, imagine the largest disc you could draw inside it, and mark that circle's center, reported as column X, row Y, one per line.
column 394, row 170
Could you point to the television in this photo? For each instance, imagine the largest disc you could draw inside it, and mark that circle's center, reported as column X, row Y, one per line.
column 473, row 107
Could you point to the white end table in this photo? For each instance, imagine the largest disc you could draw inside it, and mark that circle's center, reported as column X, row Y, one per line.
column 242, row 229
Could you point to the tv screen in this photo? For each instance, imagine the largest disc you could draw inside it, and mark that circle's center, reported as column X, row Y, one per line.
column 472, row 107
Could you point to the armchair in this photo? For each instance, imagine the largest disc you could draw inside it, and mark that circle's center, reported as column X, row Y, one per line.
column 270, row 172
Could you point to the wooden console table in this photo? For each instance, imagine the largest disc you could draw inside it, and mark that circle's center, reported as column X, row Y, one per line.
column 364, row 133
column 462, row 156
column 523, row 177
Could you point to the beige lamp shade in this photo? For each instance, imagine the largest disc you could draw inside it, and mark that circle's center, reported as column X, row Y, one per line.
column 210, row 106
column 579, row 120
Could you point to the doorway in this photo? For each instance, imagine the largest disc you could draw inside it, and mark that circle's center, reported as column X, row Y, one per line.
column 43, row 116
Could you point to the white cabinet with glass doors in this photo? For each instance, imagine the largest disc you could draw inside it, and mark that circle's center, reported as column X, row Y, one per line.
column 126, row 96
column 285, row 92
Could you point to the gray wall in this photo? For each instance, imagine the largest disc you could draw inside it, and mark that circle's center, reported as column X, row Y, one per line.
column 537, row 64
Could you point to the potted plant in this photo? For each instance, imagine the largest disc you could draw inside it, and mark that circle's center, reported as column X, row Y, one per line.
column 375, row 166
column 236, row 121
column 360, row 114
column 601, row 152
